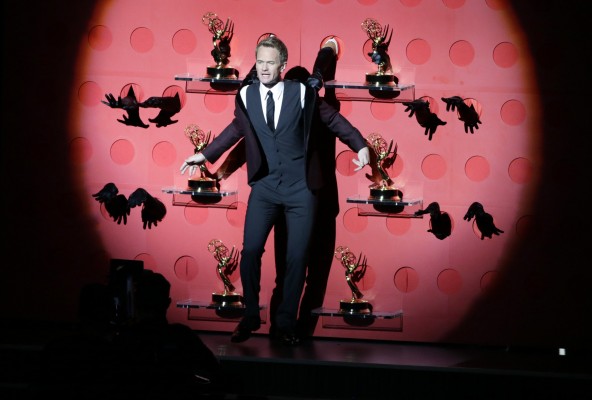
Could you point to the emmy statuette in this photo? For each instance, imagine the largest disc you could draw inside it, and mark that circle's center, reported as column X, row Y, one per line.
column 354, row 272
column 379, row 55
column 205, row 182
column 222, row 34
column 227, row 264
column 383, row 157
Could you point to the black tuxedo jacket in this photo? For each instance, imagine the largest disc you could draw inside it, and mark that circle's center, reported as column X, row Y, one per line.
column 316, row 113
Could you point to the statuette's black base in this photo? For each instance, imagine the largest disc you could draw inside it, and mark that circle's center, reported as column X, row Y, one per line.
column 203, row 184
column 381, row 79
column 386, row 193
column 227, row 299
column 222, row 72
column 355, row 307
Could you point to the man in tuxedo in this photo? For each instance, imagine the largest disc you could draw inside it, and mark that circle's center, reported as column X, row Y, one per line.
column 280, row 122
column 322, row 245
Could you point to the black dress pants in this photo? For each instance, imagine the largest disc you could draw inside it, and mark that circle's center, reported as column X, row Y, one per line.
column 297, row 204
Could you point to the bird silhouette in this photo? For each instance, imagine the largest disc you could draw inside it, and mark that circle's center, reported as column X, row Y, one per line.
column 116, row 204
column 423, row 115
column 153, row 210
column 484, row 220
column 169, row 106
column 130, row 104
column 467, row 114
column 440, row 223
column 119, row 207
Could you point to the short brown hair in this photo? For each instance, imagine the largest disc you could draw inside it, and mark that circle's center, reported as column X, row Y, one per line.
column 275, row 43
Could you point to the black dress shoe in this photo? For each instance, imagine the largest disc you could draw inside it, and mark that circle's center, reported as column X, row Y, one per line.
column 289, row 339
column 244, row 329
column 240, row 334
column 273, row 332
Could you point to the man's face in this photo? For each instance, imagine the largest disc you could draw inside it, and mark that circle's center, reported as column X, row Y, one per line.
column 268, row 66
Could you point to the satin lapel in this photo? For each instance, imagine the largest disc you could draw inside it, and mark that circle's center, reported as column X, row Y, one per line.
column 310, row 102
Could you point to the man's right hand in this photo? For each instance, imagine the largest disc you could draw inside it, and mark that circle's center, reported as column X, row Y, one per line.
column 193, row 162
column 363, row 158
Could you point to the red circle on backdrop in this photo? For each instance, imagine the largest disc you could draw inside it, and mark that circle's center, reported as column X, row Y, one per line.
column 406, row 279
column 142, row 40
column 433, row 166
column 90, row 94
column 477, row 168
column 164, row 154
column 186, row 268
column 513, row 112
column 80, row 150
column 418, row 51
column 122, row 152
column 462, row 53
column 184, row 41
column 398, row 226
column 100, row 37
column 353, row 222
column 449, row 281
column 505, row 55
column 196, row 215
column 236, row 217
column 520, row 170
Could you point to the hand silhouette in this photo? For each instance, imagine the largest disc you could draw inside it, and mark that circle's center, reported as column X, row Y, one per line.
column 424, row 116
column 440, row 223
column 130, row 105
column 484, row 220
column 116, row 204
column 133, row 119
column 169, row 106
column 466, row 113
column 153, row 210
column 111, row 102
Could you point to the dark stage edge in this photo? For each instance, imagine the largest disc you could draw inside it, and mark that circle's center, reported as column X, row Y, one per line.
column 336, row 369
column 354, row 369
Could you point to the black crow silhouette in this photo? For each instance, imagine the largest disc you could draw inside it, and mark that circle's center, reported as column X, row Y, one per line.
column 484, row 220
column 440, row 223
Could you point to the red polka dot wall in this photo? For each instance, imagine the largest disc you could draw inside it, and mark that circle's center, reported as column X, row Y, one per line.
column 473, row 49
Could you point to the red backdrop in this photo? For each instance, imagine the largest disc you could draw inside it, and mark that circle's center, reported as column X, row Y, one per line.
column 508, row 288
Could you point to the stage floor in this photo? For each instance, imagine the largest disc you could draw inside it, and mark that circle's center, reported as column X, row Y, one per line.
column 344, row 369
column 355, row 369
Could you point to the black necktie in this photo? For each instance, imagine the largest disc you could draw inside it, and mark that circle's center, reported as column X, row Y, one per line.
column 270, row 111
